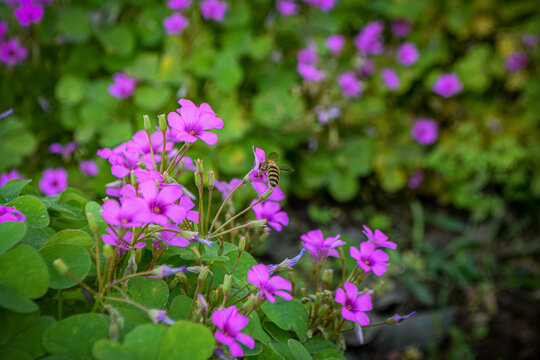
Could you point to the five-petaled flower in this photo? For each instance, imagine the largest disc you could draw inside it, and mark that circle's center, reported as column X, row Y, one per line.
column 378, row 238
column 354, row 306
column 191, row 122
column 230, row 323
column 259, row 275
column 320, row 248
column 160, row 204
column 369, row 258
column 270, row 211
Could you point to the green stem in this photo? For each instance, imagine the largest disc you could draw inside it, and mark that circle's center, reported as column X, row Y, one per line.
column 199, row 282
column 208, row 210
column 259, row 200
column 163, row 156
column 223, row 204
column 151, row 149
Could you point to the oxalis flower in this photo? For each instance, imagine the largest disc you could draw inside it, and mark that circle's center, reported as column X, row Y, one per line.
column 256, row 175
column 369, row 258
column 122, row 242
column 378, row 238
column 27, row 13
column 354, row 306
column 269, row 211
column 192, row 122
column 8, row 213
column 230, row 323
column 320, row 248
column 6, row 177
column 447, row 85
column 160, row 204
column 259, row 275
column 125, row 215
column 54, row 181
column 213, row 9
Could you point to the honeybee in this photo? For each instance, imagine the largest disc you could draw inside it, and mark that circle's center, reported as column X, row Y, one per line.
column 271, row 169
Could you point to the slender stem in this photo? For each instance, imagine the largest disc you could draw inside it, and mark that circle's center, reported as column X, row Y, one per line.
column 228, row 231
column 176, row 161
column 236, row 262
column 127, row 277
column 259, row 200
column 163, row 156
column 201, row 213
column 208, row 210
column 238, row 291
column 98, row 260
column 151, row 149
column 137, row 305
column 88, row 288
column 60, row 304
column 199, row 282
column 223, row 204
column 242, row 298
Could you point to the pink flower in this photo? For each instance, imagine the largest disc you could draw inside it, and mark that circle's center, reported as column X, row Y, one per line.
column 3, row 29
column 160, row 204
column 11, row 53
column 378, row 238
column 139, row 142
column 307, row 56
column 447, row 85
column 367, row 68
column 369, row 40
column 123, row 86
column 261, row 188
column 310, row 72
column 178, row 4
column 124, row 163
column 369, row 258
column 6, row 177
column 225, row 188
column 89, row 167
column 407, row 54
column 8, row 213
column 415, row 180
column 122, row 242
column 516, row 61
column 256, row 175
column 192, row 122
column 54, row 181
column 175, row 24
column 230, row 323
column 64, row 150
column 213, row 9
column 335, row 43
column 259, row 275
column 354, row 306
column 390, row 78
column 269, row 211
column 424, row 131
column 324, row 5
column 28, row 14
column 173, row 238
column 350, row 85
column 287, row 7
column 320, row 248
column 400, row 28
column 125, row 215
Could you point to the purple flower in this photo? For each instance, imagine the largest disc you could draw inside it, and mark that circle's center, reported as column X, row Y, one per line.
column 28, row 14
column 407, row 54
column 160, row 316
column 146, row 175
column 307, row 56
column 225, row 188
column 335, row 43
column 287, row 263
column 354, row 306
column 378, row 238
column 123, row 86
column 124, row 163
column 261, row 188
column 400, row 28
column 11, row 53
column 161, row 204
column 350, row 85
column 397, row 319
column 163, row 271
column 269, row 211
column 213, row 9
column 268, row 286
column 230, row 323
column 320, row 248
column 139, row 142
column 516, row 61
column 178, row 4
column 324, row 5
column 192, row 122
column 64, row 150
column 424, row 131
column 3, row 29
column 310, row 72
column 530, row 40
column 125, row 215
column 175, row 24
column 173, row 238
column 325, row 115
column 122, row 242
column 11, row 214
column 287, row 7
column 447, row 85
column 369, row 40
column 256, row 175
column 54, row 181
column 89, row 167
column 367, row 68
column 6, row 177
column 390, row 78
column 416, row 180
column 370, row 258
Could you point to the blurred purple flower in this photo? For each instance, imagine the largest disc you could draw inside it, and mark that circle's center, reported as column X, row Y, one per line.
column 516, row 61
column 268, row 286
column 407, row 54
column 416, row 180
column 261, row 188
column 163, row 271
column 310, row 72
column 160, row 204
column 399, row 318
column 225, row 188
column 89, row 167
column 54, row 181
column 367, row 68
column 335, row 44
column 308, row 56
column 390, row 78
column 178, row 4
column 256, row 175
column 123, row 86
column 213, row 9
column 320, row 248
column 64, row 150
column 530, row 40
column 350, row 85
column 27, row 13
column 146, row 175
column 175, row 24
column 12, row 53
column 160, row 317
column 324, row 5
column 425, row 131
column 287, row 7
column 400, row 28
column 447, row 85
column 270, row 211
column 369, row 40
column 369, row 258
column 8, row 213
column 7, row 176
column 3, row 29
column 126, row 215
column 378, row 238
column 354, row 306
column 230, row 323
column 325, row 115
column 192, row 122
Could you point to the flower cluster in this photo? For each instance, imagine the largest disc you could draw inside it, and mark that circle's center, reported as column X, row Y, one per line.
column 8, row 213
column 176, row 23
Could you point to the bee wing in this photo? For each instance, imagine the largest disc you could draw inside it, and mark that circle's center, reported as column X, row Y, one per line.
column 272, row 156
column 286, row 168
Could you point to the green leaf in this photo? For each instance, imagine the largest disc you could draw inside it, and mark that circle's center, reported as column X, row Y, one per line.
column 12, row 300
column 268, row 353
column 15, row 323
column 343, row 187
column 12, row 189
column 298, row 350
column 227, row 73
column 107, row 350
column 75, row 257
column 149, row 292
column 76, row 335
column 11, row 354
column 94, row 208
column 187, row 341
column 34, row 210
column 23, row 270
column 145, row 67
column 70, row 89
column 118, row 40
column 74, row 24
column 255, row 330
column 36, row 238
column 71, row 237
column 151, row 97
column 10, row 234
column 273, row 108
column 29, row 341
column 245, row 263
column 288, row 315
column 180, row 307
column 144, row 342
column 73, row 196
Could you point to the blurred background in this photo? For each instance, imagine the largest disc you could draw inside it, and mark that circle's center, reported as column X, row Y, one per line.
column 419, row 118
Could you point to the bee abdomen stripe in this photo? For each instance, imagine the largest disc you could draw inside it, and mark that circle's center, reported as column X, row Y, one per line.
column 273, row 171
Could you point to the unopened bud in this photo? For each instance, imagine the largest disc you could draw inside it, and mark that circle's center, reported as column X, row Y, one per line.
column 92, row 222
column 202, row 305
column 182, row 277
column 142, row 165
column 198, row 179
column 114, row 331
column 204, row 274
column 216, row 294
column 194, row 269
column 108, row 250
column 327, row 275
column 196, row 253
column 61, row 266
column 162, row 121
column 147, row 124
column 227, row 284
column 267, row 193
column 249, row 303
column 200, row 167
column 210, row 182
column 257, row 223
column 242, row 243
column 189, row 235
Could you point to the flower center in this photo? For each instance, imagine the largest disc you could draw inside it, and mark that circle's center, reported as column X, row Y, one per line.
column 156, row 210
column 124, row 221
column 367, row 262
column 348, row 307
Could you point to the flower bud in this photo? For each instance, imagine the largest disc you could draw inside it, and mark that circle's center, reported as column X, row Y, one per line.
column 198, row 179
column 141, row 165
column 257, row 223
column 196, row 253
column 210, row 181
column 61, row 266
column 162, row 121
column 114, row 331
column 227, row 284
column 200, row 167
column 242, row 243
column 249, row 303
column 190, row 235
column 267, row 193
column 194, row 269
column 108, row 250
column 92, row 224
column 160, row 316
column 214, row 296
column 147, row 124
column 202, row 305
column 327, row 275
column 204, row 273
